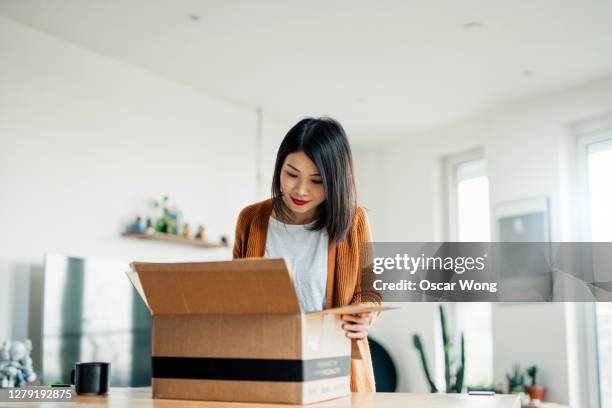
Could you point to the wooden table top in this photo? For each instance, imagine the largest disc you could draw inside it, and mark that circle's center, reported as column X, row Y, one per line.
column 141, row 398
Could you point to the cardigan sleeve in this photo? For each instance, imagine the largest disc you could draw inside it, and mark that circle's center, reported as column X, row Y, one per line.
column 364, row 290
column 237, row 251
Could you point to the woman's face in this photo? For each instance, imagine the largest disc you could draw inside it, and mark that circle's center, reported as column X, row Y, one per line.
column 301, row 184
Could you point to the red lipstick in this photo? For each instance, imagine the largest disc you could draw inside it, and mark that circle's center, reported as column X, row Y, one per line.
column 298, row 202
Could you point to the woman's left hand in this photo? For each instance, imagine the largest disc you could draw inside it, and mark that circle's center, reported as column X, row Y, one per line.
column 357, row 325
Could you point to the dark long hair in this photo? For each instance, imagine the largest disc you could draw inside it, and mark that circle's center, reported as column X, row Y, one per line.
column 324, row 141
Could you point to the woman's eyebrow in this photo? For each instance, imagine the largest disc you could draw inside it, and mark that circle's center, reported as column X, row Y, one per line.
column 294, row 168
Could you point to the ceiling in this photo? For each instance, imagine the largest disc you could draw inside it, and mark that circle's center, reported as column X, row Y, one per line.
column 383, row 68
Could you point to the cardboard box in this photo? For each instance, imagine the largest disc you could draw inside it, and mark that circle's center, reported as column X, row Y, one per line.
column 234, row 331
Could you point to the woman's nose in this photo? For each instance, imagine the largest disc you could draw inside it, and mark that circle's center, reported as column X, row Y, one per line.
column 301, row 188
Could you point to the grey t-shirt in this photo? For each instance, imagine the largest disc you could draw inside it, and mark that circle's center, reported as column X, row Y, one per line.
column 307, row 254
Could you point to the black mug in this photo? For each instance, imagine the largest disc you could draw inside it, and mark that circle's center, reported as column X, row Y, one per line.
column 90, row 378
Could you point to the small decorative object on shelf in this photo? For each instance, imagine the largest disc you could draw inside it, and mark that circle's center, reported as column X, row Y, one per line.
column 168, row 222
column 186, row 231
column 136, row 227
column 200, row 234
column 168, row 226
column 149, row 226
column 16, row 369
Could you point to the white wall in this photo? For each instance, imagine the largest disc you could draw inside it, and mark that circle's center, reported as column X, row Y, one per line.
column 529, row 151
column 86, row 141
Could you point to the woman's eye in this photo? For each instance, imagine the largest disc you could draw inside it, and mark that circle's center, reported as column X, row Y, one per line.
column 291, row 175
column 317, row 181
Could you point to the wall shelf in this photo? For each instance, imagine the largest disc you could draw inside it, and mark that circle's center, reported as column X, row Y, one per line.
column 158, row 236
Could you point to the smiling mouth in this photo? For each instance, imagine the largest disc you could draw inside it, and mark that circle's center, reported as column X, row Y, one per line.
column 299, row 202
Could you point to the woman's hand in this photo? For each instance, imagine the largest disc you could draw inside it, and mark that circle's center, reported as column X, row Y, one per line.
column 357, row 325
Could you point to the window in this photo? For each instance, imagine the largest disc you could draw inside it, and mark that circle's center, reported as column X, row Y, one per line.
column 599, row 167
column 472, row 189
column 468, row 199
column 474, row 319
column 599, row 161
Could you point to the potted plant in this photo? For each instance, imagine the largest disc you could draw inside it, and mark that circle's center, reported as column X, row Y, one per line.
column 515, row 381
column 535, row 391
column 516, row 384
column 454, row 366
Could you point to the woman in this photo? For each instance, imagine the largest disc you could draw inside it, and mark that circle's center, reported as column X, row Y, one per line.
column 313, row 220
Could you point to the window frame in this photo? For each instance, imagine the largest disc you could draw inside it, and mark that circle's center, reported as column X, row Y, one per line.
column 450, row 219
column 586, row 133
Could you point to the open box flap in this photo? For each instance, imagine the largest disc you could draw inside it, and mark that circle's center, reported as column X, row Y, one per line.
column 353, row 309
column 242, row 286
column 133, row 277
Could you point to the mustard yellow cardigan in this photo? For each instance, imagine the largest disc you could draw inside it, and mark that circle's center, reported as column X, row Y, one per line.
column 345, row 261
